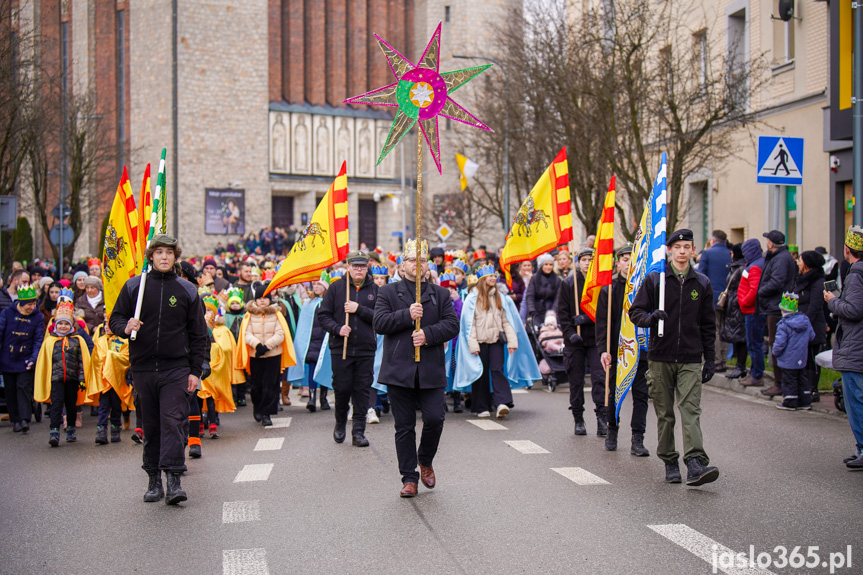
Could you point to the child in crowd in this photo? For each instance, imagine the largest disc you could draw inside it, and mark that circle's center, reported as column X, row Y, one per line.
column 790, row 348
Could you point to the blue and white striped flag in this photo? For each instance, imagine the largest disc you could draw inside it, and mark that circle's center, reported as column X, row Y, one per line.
column 648, row 255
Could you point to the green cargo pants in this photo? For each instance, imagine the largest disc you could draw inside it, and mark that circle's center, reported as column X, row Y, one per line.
column 663, row 380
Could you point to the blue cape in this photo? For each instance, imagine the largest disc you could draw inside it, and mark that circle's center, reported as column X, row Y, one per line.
column 324, row 368
column 297, row 374
column 520, row 368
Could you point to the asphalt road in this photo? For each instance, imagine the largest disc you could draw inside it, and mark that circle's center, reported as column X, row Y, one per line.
column 318, row 507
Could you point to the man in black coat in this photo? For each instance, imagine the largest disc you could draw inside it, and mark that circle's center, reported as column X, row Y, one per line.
column 780, row 271
column 638, row 390
column 579, row 349
column 167, row 359
column 353, row 297
column 413, row 384
column 675, row 370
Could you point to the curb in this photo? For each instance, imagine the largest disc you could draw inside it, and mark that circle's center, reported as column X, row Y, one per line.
column 824, row 406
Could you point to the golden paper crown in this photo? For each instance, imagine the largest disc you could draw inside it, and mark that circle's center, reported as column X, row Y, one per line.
column 854, row 238
column 411, row 248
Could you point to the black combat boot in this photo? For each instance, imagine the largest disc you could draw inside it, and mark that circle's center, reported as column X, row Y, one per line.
column 638, row 445
column 175, row 492
column 339, row 432
column 611, row 440
column 154, row 490
column 457, row 406
column 115, row 434
column 312, row 400
column 359, row 434
column 579, row 425
column 697, row 473
column 672, row 472
column 101, row 435
column 601, row 424
column 325, row 405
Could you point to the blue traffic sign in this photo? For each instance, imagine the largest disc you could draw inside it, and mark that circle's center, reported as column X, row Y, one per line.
column 780, row 160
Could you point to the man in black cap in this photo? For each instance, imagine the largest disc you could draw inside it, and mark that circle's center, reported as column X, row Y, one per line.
column 354, row 298
column 638, row 390
column 221, row 284
column 780, row 272
column 167, row 358
column 675, row 360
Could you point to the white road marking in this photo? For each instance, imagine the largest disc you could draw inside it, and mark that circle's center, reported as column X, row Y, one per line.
column 270, row 444
column 254, row 472
column 706, row 548
column 487, row 425
column 580, row 476
column 280, row 422
column 521, row 390
column 244, row 562
column 526, row 446
column 241, row 511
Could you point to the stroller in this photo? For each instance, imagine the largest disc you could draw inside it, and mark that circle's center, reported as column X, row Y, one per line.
column 553, row 359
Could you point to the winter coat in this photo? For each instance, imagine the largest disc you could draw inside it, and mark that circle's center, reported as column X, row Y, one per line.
column 541, row 293
column 488, row 324
column 734, row 329
column 517, row 291
column 810, row 288
column 21, row 337
column 67, row 361
column 362, row 341
column 566, row 312
column 315, row 340
column 393, row 320
column 848, row 307
column 747, row 290
column 6, row 300
column 690, row 331
column 92, row 316
column 791, row 346
column 780, row 271
column 714, row 264
column 264, row 327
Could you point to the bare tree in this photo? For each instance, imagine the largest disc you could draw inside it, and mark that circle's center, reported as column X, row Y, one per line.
column 463, row 213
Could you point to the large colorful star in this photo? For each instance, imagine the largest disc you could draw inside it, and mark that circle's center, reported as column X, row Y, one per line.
column 421, row 94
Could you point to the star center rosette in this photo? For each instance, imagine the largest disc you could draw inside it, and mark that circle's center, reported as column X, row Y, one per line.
column 421, row 94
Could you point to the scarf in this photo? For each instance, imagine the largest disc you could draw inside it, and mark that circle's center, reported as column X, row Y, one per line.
column 95, row 301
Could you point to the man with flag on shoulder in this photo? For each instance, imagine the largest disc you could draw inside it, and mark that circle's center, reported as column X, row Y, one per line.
column 682, row 359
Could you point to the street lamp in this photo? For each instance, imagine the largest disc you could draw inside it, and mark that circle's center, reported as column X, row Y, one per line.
column 505, row 133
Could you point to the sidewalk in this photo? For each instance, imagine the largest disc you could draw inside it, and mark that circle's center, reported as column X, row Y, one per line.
column 826, row 404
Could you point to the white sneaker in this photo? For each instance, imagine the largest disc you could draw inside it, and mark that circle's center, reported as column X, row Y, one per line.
column 483, row 415
column 372, row 416
column 502, row 411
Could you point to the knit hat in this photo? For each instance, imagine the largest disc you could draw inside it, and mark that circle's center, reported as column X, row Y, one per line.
column 812, row 259
column 93, row 281
column 854, row 238
column 64, row 282
column 258, row 289
column 26, row 293
column 789, row 302
column 65, row 311
column 544, row 259
column 45, row 281
column 79, row 275
column 209, row 262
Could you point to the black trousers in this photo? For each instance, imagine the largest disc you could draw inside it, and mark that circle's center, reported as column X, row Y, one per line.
column 264, row 373
column 352, row 379
column 164, row 409
column 212, row 414
column 404, row 402
column 578, row 358
column 795, row 388
column 109, row 407
column 63, row 394
column 19, row 395
column 492, row 387
column 638, row 393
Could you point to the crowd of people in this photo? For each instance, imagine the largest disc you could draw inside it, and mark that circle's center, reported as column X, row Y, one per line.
column 358, row 330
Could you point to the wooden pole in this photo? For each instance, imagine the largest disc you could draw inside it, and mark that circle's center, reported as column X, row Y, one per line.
column 348, row 280
column 419, row 269
column 575, row 286
column 608, row 348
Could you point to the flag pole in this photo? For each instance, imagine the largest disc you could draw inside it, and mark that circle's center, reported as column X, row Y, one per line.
column 608, row 345
column 419, row 271
column 145, row 268
column 661, row 327
column 347, row 316
column 575, row 287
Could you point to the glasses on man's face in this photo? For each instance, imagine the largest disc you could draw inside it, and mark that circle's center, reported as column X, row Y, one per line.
column 359, row 267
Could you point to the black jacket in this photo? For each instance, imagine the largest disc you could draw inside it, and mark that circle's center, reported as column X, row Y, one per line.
column 778, row 276
column 316, row 339
column 566, row 312
column 362, row 341
column 810, row 288
column 393, row 319
column 618, row 286
column 541, row 293
column 734, row 328
column 67, row 348
column 173, row 334
column 690, row 330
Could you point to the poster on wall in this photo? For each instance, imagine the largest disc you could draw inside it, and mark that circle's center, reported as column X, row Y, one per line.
column 226, row 212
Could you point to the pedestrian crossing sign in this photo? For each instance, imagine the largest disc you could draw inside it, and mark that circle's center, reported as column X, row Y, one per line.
column 780, row 160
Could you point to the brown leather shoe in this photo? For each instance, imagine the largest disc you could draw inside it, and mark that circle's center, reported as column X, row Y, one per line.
column 409, row 489
column 750, row 382
column 427, row 476
column 771, row 391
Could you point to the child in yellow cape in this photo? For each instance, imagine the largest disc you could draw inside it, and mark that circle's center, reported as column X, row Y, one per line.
column 63, row 372
column 264, row 350
column 110, row 389
column 216, row 390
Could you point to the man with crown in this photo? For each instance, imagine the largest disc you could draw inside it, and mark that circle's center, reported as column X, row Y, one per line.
column 415, row 384
column 22, row 329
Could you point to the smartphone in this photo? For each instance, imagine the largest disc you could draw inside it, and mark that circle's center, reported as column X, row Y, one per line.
column 830, row 285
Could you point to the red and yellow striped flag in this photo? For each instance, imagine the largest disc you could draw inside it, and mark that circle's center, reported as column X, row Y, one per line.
column 323, row 242
column 544, row 219
column 145, row 208
column 602, row 266
column 121, row 253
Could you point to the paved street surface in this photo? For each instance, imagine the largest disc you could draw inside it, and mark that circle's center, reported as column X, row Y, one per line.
column 523, row 497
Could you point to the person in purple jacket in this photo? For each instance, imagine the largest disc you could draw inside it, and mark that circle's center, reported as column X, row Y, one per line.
column 22, row 329
column 791, row 348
